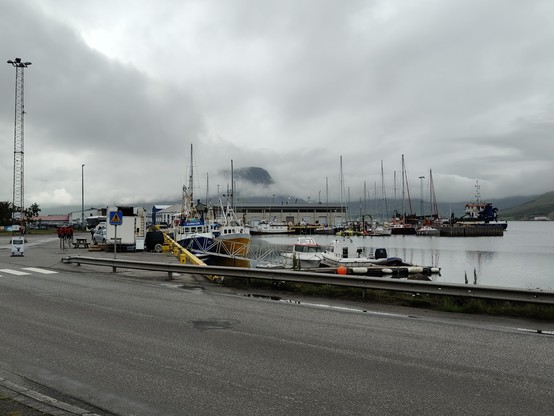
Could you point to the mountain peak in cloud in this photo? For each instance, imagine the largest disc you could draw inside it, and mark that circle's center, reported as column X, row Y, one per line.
column 254, row 175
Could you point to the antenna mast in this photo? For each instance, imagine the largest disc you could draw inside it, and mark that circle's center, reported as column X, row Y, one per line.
column 18, row 141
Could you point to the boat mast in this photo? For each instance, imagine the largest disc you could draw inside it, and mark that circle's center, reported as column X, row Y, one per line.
column 341, row 186
column 394, row 190
column 405, row 180
column 403, row 189
column 187, row 193
column 191, row 184
column 433, row 197
column 383, row 194
column 327, row 201
column 365, row 198
column 232, row 185
column 207, row 187
column 348, row 203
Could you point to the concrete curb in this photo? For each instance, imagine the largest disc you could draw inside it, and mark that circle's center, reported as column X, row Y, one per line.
column 40, row 402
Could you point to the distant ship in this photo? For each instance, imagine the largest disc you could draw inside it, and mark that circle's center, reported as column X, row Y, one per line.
column 481, row 214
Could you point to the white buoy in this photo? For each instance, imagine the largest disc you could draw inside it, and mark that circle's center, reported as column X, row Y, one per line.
column 359, row 270
column 386, row 271
column 415, row 269
column 435, row 270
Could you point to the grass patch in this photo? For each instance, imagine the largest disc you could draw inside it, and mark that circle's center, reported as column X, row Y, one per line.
column 433, row 302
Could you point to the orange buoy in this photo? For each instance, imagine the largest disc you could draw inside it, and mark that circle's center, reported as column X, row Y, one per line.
column 342, row 270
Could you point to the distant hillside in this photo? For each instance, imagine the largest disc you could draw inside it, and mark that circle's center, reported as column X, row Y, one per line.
column 540, row 206
column 512, row 208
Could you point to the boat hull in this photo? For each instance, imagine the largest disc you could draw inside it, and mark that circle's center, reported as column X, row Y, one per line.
column 304, row 262
column 234, row 245
column 269, row 231
column 429, row 232
column 217, row 259
column 347, row 262
column 196, row 243
column 403, row 231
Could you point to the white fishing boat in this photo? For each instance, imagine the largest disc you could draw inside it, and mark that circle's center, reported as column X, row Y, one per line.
column 378, row 230
column 343, row 252
column 428, row 230
column 306, row 253
column 269, row 227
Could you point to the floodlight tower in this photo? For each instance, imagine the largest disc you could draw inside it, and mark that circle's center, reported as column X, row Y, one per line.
column 18, row 143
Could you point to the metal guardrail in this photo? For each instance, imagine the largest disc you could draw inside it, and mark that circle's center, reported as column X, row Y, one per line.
column 410, row 286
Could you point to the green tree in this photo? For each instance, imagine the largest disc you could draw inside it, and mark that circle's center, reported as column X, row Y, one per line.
column 31, row 212
column 6, row 213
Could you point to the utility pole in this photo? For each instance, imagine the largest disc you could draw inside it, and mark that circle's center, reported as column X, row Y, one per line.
column 18, row 142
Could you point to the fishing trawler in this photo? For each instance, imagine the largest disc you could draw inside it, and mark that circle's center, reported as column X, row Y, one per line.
column 224, row 241
column 480, row 213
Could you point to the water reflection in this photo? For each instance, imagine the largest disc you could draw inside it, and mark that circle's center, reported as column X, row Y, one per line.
column 523, row 257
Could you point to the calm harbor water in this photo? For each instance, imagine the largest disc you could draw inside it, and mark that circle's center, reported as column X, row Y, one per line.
column 522, row 258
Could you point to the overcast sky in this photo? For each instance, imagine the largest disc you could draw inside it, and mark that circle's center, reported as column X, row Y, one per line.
column 462, row 88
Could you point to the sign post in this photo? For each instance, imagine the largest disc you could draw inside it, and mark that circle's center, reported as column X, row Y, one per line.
column 116, row 218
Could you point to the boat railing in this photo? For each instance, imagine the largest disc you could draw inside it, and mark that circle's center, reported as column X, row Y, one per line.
column 230, row 248
column 256, row 253
column 260, row 254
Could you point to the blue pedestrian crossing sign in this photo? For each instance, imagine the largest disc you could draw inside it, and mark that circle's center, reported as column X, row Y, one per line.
column 116, row 217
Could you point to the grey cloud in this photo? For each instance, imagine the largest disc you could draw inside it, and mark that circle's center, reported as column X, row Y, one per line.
column 462, row 88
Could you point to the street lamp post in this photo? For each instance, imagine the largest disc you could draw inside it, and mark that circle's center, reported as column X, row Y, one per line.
column 83, row 196
column 421, row 195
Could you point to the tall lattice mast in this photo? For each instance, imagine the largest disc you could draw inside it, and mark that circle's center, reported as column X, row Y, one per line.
column 18, row 142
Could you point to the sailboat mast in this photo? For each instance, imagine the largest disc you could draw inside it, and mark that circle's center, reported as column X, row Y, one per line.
column 394, row 192
column 433, row 196
column 403, row 206
column 341, row 193
column 327, row 200
column 383, row 194
column 405, row 176
column 365, row 198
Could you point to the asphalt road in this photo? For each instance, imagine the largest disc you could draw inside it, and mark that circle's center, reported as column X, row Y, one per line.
column 135, row 344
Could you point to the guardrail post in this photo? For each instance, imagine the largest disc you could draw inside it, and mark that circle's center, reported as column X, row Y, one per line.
column 114, row 269
column 169, row 275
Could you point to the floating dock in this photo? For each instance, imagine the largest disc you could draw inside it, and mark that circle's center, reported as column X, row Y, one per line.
column 414, row 272
column 472, row 231
column 394, row 271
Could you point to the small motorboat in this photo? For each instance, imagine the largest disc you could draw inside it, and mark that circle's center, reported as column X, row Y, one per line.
column 306, row 253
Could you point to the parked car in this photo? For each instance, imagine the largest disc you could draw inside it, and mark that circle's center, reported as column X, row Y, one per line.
column 154, row 241
column 99, row 236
